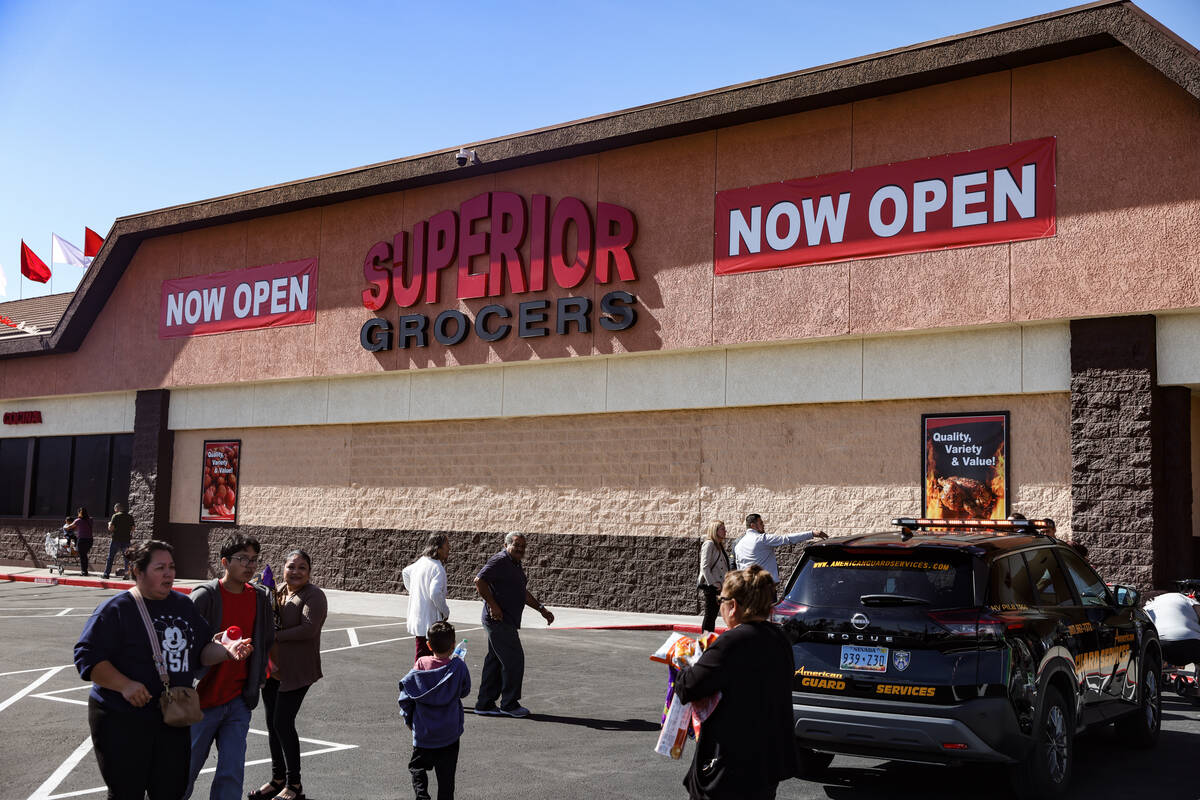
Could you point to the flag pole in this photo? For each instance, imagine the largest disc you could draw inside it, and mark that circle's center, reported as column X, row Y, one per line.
column 52, row 263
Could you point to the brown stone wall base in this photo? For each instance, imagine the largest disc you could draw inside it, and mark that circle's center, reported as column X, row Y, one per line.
column 628, row 573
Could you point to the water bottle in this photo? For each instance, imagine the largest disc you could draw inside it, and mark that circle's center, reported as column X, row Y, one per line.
column 231, row 637
column 460, row 650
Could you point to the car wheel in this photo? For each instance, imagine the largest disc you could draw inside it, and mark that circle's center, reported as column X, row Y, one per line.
column 1046, row 771
column 1140, row 729
column 811, row 764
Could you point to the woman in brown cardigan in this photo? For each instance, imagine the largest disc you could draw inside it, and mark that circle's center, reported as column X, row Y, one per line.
column 295, row 665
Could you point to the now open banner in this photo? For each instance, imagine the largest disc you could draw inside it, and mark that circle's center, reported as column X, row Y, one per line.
column 269, row 296
column 996, row 194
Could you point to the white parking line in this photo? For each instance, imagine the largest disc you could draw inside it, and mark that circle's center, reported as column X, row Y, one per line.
column 360, row 627
column 50, row 673
column 35, row 669
column 353, row 636
column 43, row 792
column 36, row 616
column 385, row 641
column 64, row 769
column 64, row 612
column 54, row 695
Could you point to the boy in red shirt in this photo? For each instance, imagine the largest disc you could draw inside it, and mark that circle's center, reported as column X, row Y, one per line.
column 230, row 690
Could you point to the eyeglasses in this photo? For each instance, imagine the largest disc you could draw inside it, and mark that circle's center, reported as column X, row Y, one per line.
column 245, row 561
column 724, row 599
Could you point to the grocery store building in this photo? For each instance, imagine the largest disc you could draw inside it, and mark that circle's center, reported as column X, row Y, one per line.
column 764, row 298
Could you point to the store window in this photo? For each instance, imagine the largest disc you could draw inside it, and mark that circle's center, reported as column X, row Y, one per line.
column 14, row 466
column 68, row 472
column 52, row 476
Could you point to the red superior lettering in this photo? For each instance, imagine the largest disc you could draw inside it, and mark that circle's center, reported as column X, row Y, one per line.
column 479, row 248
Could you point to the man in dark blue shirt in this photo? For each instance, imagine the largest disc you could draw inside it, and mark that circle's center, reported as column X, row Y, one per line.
column 502, row 585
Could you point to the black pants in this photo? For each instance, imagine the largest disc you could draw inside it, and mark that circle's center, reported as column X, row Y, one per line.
column 503, row 667
column 139, row 754
column 1181, row 652
column 85, row 546
column 711, row 607
column 443, row 761
column 282, row 708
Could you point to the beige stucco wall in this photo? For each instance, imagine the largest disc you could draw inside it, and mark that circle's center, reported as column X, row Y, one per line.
column 845, row 467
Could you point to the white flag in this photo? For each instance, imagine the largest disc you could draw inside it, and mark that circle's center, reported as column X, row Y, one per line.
column 63, row 252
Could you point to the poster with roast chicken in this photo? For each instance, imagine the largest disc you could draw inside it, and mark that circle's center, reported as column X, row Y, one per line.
column 218, row 493
column 965, row 466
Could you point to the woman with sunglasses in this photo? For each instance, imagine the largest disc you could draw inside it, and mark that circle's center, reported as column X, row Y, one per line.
column 746, row 745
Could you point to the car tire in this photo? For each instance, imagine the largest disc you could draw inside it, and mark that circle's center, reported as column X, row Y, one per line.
column 1140, row 729
column 1046, row 771
column 811, row 764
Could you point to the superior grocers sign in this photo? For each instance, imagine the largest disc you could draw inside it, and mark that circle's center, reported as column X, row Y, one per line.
column 996, row 194
column 475, row 253
column 269, row 296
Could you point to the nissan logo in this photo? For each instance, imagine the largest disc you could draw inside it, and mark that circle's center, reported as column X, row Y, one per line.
column 860, row 621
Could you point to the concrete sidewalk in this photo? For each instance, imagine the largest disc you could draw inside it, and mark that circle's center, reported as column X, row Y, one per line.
column 396, row 605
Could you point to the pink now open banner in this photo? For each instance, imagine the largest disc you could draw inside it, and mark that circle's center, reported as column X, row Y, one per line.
column 269, row 296
column 986, row 196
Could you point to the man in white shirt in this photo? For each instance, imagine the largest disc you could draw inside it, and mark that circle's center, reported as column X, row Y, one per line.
column 758, row 546
column 1177, row 617
column 425, row 580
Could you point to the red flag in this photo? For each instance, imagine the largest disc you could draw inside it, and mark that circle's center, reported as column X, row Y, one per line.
column 91, row 242
column 33, row 267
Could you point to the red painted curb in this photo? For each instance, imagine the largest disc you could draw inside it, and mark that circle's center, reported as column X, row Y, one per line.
column 662, row 626
column 92, row 583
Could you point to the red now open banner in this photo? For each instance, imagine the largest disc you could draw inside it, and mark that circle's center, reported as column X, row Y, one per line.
column 997, row 194
column 257, row 297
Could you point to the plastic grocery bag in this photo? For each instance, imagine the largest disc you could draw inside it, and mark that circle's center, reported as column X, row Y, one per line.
column 680, row 718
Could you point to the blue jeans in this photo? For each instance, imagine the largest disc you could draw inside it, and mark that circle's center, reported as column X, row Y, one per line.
column 113, row 549
column 229, row 724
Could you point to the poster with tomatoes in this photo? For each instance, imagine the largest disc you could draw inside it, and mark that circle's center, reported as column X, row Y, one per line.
column 218, row 493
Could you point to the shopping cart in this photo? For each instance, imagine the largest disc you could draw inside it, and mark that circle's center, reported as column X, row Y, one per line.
column 60, row 546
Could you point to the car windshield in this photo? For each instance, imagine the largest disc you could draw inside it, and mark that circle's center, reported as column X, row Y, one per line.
column 833, row 577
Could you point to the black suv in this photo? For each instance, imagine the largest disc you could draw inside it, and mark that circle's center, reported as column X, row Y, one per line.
column 951, row 641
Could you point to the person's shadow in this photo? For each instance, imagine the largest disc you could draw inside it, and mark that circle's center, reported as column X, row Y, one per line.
column 629, row 725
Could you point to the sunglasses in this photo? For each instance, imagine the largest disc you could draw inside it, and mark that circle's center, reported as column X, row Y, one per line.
column 724, row 599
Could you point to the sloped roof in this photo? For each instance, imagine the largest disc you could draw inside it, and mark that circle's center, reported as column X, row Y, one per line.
column 41, row 312
column 1065, row 33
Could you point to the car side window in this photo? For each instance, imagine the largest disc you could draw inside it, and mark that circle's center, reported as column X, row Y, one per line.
column 1009, row 583
column 1049, row 584
column 1090, row 586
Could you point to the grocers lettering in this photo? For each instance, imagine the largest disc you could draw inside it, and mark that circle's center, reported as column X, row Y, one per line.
column 566, row 243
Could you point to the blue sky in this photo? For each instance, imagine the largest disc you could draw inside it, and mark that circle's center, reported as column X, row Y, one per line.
column 116, row 108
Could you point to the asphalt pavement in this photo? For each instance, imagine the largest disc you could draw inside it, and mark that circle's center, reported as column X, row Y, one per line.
column 594, row 694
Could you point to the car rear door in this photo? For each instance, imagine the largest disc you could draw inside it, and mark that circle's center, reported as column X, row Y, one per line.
column 1114, row 629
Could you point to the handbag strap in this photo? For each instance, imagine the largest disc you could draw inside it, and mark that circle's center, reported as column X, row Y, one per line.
column 158, row 656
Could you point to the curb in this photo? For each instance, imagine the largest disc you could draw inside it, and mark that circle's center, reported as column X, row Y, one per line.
column 663, row 626
column 90, row 583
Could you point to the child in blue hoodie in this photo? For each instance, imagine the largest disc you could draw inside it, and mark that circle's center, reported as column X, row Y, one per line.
column 431, row 704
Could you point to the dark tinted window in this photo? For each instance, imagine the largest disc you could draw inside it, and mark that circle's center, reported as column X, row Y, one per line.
column 89, row 475
column 841, row 578
column 1009, row 583
column 14, row 468
column 1049, row 584
column 51, row 477
column 1089, row 585
column 122, row 462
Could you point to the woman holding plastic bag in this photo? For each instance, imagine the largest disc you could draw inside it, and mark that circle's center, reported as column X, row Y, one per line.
column 746, row 745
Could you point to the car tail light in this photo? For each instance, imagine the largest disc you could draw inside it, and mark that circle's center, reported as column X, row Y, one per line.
column 972, row 624
column 785, row 610
column 954, row 745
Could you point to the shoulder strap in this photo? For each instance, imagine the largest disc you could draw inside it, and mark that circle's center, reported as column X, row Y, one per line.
column 158, row 656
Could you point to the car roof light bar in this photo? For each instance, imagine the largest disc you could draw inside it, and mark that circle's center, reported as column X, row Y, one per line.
column 1004, row 527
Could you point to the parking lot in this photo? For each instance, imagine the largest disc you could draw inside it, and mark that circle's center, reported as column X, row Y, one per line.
column 594, row 694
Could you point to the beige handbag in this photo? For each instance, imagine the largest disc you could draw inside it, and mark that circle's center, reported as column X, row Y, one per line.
column 180, row 704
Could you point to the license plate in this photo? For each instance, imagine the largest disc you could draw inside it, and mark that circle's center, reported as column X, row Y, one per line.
column 864, row 659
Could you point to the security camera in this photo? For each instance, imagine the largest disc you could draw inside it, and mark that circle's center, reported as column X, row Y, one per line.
column 464, row 156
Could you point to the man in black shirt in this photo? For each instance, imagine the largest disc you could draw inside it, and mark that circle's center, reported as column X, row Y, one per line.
column 502, row 585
